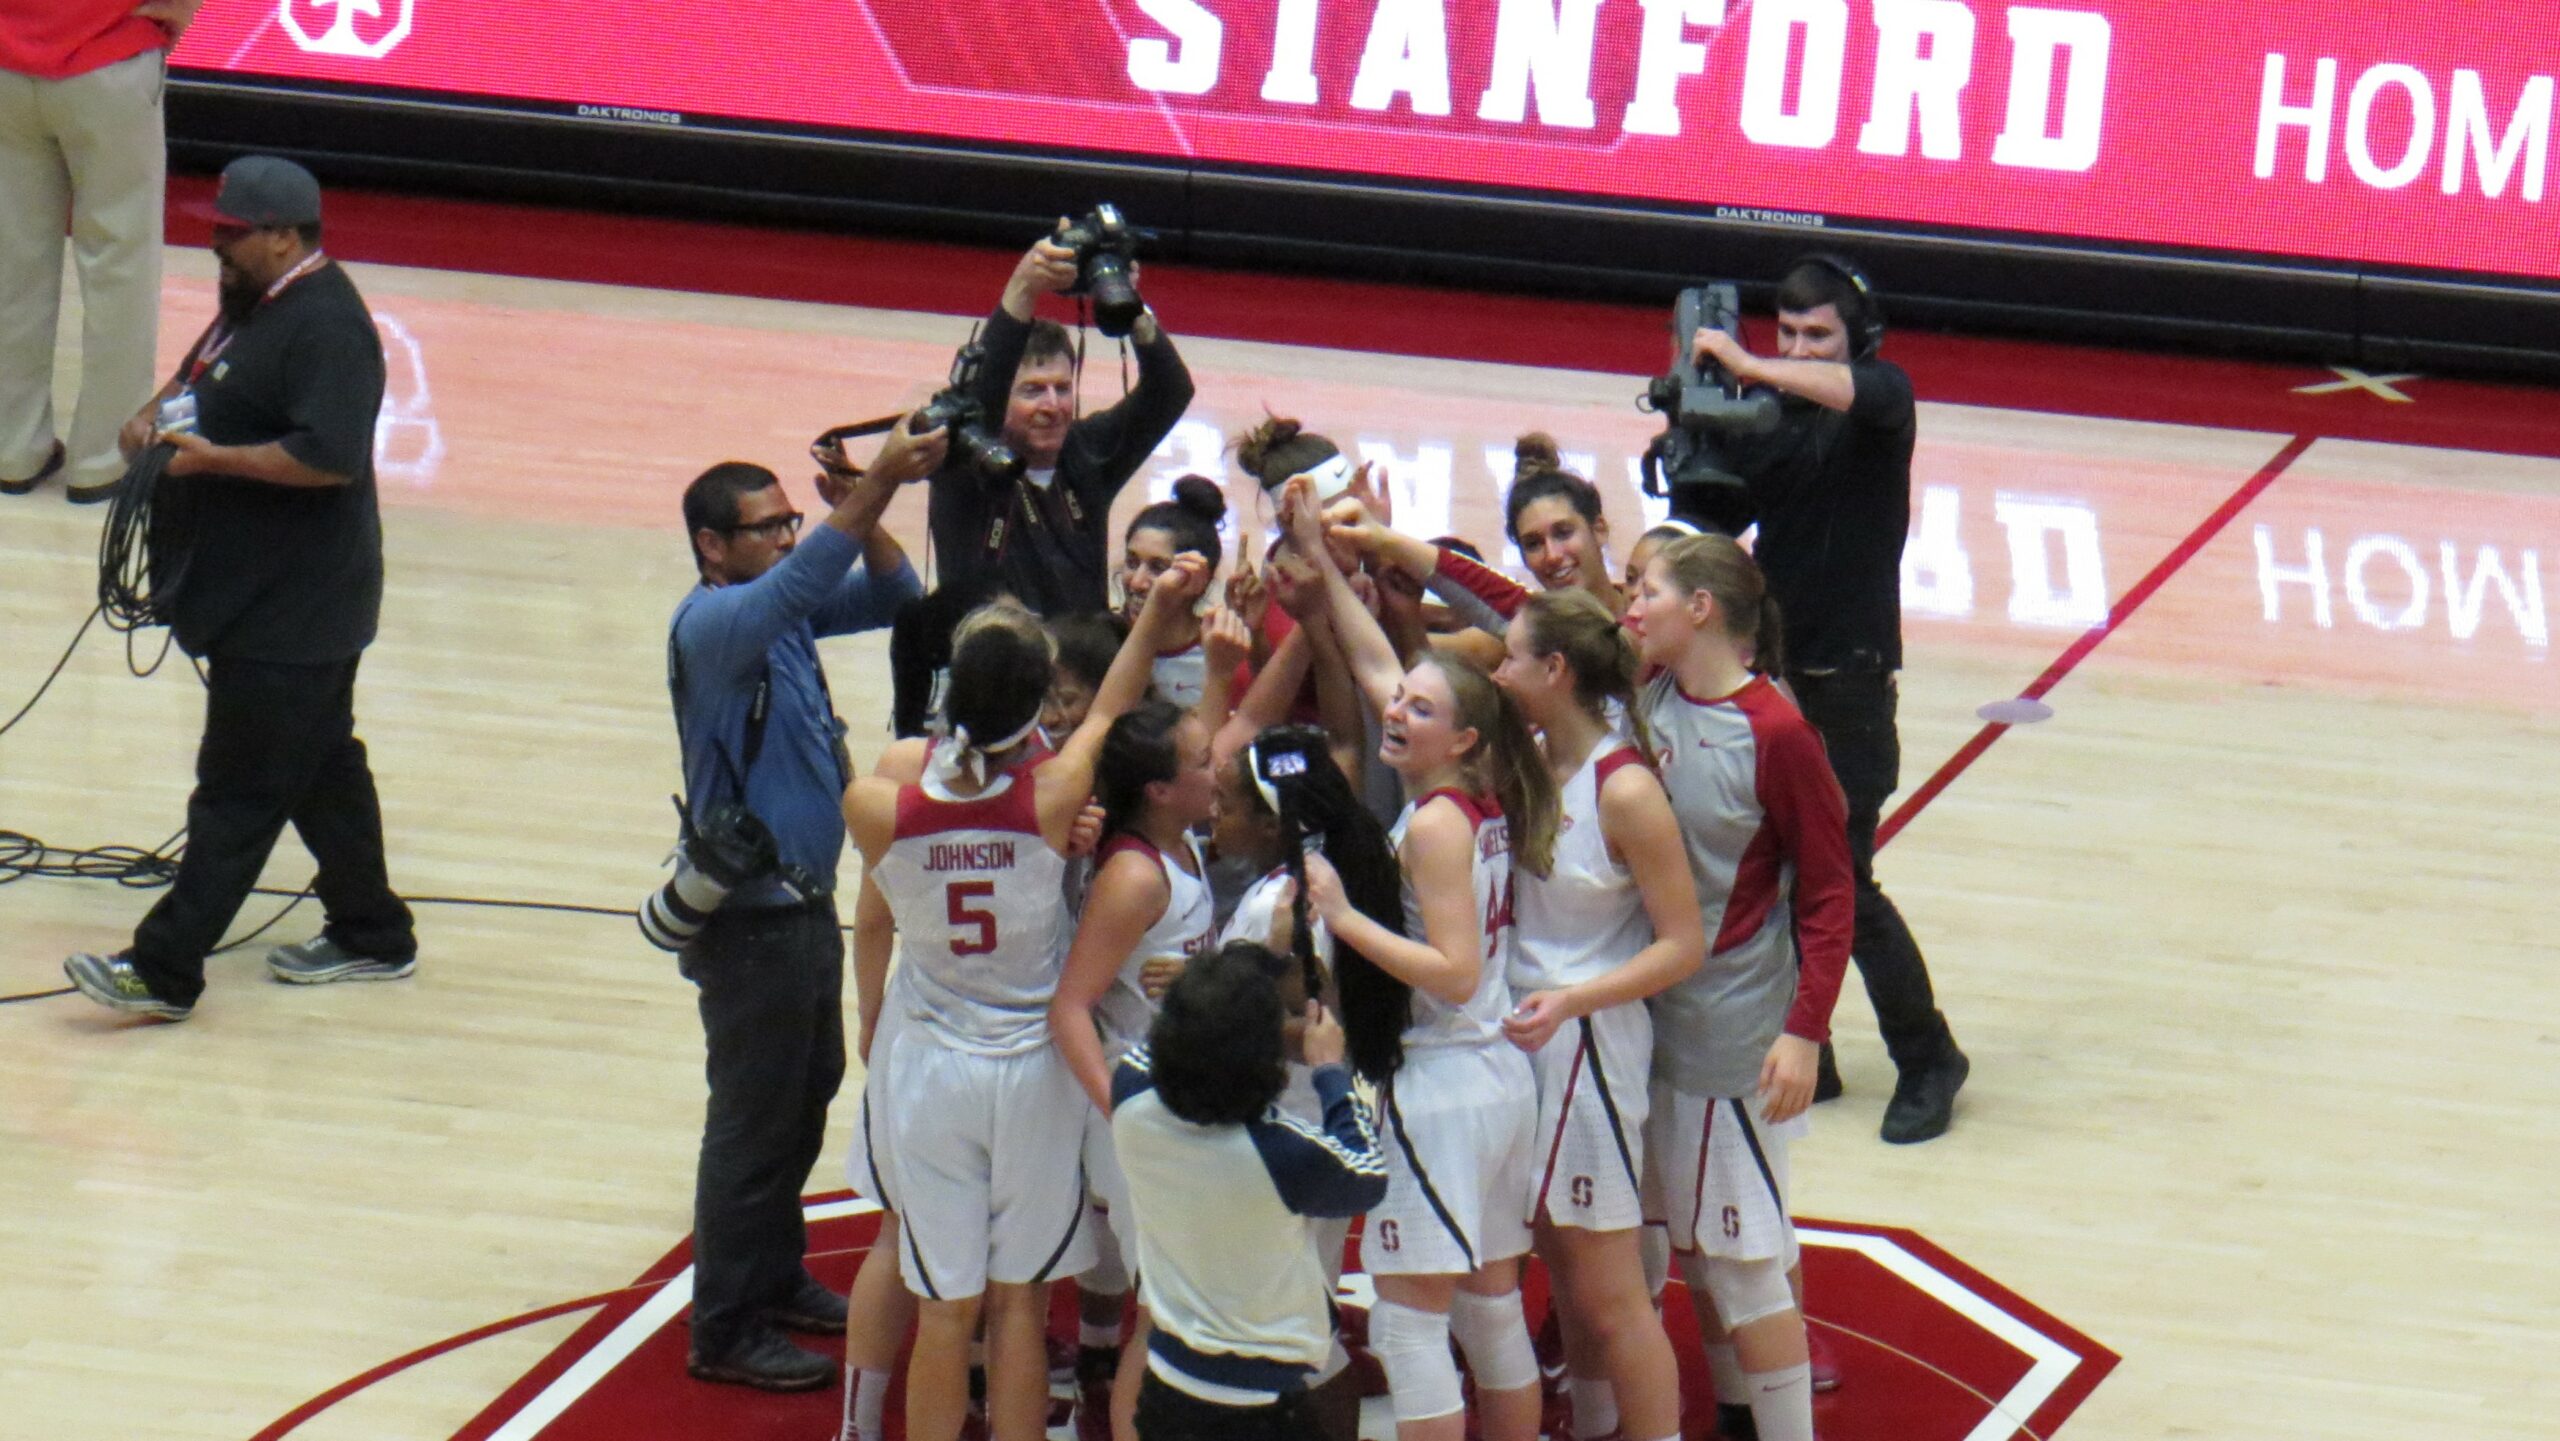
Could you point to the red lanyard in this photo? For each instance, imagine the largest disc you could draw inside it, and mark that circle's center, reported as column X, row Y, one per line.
column 218, row 335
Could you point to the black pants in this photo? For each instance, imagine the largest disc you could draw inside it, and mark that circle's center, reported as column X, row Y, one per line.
column 1165, row 1414
column 1854, row 710
column 279, row 745
column 772, row 1006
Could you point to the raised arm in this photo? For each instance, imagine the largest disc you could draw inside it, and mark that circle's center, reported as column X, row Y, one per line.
column 1065, row 780
column 870, row 597
column 1364, row 645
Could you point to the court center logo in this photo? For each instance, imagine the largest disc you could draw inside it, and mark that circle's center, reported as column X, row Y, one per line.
column 339, row 34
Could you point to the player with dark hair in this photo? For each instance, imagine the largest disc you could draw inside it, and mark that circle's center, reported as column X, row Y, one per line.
column 1146, row 914
column 983, row 1130
column 1186, row 524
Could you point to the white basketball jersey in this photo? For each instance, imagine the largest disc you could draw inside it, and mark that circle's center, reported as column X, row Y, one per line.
column 1181, row 676
column 1584, row 918
column 1479, row 1021
column 1185, row 930
column 975, row 891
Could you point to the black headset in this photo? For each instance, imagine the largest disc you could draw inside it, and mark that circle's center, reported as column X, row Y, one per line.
column 1866, row 327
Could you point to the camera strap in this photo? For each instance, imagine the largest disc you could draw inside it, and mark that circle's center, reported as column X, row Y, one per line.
column 759, row 707
column 759, row 710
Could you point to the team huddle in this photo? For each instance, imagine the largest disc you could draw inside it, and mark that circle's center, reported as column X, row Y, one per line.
column 1509, row 922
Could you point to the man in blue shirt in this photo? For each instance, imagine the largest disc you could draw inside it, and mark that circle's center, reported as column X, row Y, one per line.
column 755, row 721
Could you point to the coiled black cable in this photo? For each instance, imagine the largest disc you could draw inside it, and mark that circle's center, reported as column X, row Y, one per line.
column 144, row 549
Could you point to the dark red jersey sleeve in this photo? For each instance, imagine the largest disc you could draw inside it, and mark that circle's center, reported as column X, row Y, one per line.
column 1804, row 805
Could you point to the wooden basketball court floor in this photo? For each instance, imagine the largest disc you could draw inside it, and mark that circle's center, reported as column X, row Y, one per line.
column 2251, row 942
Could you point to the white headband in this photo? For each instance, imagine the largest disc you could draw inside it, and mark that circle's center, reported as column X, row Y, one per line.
column 1332, row 478
column 963, row 757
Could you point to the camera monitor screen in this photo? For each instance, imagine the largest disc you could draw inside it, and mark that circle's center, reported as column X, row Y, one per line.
column 2414, row 136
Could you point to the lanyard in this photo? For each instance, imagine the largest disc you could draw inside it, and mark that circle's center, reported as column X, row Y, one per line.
column 218, row 336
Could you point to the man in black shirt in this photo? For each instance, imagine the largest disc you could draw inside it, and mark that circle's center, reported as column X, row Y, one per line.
column 270, row 421
column 1832, row 488
column 1045, row 539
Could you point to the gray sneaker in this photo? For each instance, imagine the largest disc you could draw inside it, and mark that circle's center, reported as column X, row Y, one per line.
column 320, row 960
column 111, row 982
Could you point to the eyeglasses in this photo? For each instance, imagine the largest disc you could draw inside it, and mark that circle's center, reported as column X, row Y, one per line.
column 786, row 524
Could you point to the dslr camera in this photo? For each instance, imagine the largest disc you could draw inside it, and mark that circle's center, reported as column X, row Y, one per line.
column 726, row 850
column 1703, row 409
column 1105, row 246
column 975, row 447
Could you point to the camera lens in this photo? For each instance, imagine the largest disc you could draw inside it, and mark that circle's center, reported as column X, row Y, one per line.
column 1116, row 305
column 993, row 459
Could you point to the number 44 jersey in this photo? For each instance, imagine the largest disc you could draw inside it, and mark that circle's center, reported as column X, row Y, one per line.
column 975, row 892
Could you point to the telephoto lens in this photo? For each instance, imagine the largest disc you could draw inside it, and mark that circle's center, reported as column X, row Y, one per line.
column 729, row 848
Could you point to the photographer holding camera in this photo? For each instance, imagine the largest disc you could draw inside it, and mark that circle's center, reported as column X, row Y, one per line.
column 1036, row 523
column 1831, row 488
column 759, row 731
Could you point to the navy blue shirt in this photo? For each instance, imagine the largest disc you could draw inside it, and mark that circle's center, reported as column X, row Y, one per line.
column 726, row 637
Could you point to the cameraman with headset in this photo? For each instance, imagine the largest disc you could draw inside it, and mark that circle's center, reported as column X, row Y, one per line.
column 758, row 728
column 1832, row 490
column 1044, row 538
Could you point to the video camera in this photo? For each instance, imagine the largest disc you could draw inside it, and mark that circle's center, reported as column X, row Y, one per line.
column 728, row 849
column 975, row 447
column 1106, row 247
column 1703, row 407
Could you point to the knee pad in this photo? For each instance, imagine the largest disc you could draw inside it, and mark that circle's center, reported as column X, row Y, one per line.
column 1494, row 1332
column 1109, row 1274
column 1653, row 1247
column 1413, row 1346
column 1747, row 1291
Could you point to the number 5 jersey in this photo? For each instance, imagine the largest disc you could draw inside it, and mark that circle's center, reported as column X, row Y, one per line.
column 975, row 890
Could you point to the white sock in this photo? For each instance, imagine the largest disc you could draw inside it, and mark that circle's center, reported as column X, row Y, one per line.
column 1595, row 1407
column 1782, row 1403
column 866, row 1399
column 1106, row 1338
column 1731, row 1389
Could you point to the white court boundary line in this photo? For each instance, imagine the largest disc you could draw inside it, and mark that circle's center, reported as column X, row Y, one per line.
column 624, row 1339
column 2051, row 1363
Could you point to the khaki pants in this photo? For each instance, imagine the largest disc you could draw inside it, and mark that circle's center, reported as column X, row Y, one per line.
column 88, row 151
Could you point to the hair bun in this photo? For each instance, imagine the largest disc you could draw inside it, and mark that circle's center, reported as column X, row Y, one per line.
column 1536, row 451
column 1202, row 497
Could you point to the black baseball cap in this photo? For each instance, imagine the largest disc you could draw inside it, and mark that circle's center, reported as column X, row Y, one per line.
column 267, row 192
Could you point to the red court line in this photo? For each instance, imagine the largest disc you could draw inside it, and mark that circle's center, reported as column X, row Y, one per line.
column 2078, row 651
column 292, row 1420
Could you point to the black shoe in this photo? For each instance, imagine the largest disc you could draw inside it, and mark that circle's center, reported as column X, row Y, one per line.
column 52, row 463
column 1734, row 1423
column 1826, row 1077
column 1924, row 1100
column 767, row 1362
column 812, row 1309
